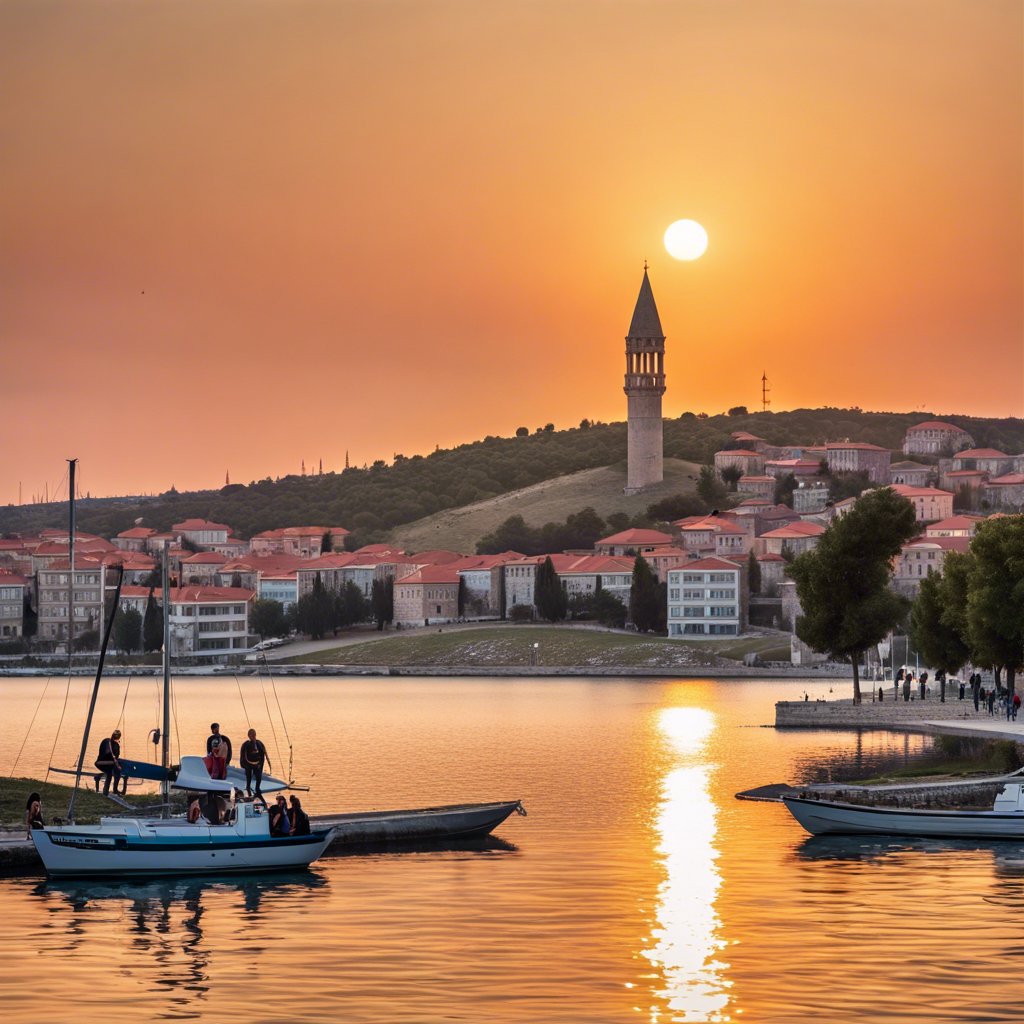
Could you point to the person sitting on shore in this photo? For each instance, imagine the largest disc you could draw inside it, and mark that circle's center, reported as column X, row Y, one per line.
column 33, row 814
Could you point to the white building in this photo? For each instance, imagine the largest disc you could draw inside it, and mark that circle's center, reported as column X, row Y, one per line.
column 211, row 623
column 706, row 598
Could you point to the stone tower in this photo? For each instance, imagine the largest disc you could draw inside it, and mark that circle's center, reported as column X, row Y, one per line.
column 645, row 384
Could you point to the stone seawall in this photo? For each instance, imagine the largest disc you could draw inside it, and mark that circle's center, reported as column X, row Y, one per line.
column 844, row 714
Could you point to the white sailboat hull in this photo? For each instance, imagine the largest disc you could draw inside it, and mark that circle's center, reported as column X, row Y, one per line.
column 139, row 847
column 829, row 817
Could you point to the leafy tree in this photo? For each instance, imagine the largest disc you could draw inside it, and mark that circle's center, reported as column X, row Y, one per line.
column 350, row 605
column 126, row 633
column 784, row 488
column 731, row 476
column 152, row 626
column 548, row 594
column 522, row 431
column 618, row 521
column 941, row 646
column 87, row 641
column 382, row 601
column 29, row 619
column 843, row 585
column 710, row 488
column 327, row 543
column 314, row 612
column 678, row 506
column 608, row 609
column 738, row 410
column 647, row 609
column 848, row 485
column 995, row 600
column 267, row 618
column 753, row 574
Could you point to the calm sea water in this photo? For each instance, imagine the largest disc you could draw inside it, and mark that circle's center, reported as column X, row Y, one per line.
column 638, row 889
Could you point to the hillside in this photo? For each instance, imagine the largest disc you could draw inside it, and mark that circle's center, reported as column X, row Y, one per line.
column 373, row 500
column 458, row 529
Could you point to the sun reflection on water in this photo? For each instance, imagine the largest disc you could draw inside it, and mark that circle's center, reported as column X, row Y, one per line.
column 686, row 940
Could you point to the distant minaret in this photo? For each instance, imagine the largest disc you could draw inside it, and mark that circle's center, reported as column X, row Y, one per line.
column 645, row 384
column 227, row 477
column 346, row 458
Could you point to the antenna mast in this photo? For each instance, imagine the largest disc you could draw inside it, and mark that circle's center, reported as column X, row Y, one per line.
column 765, row 400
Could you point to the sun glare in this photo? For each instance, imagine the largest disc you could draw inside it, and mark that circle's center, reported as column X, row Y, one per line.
column 686, row 240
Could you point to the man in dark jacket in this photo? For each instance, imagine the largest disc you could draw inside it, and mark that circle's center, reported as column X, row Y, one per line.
column 109, row 762
column 254, row 756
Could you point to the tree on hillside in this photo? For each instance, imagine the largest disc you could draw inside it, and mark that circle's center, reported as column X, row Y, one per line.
column 382, row 601
column 784, row 488
column 995, row 601
column 710, row 488
column 738, row 410
column 647, row 609
column 522, row 431
column 152, row 626
column 327, row 543
column 126, row 633
column 731, row 476
column 314, row 613
column 548, row 594
column 843, row 585
column 753, row 574
column 267, row 618
column 677, row 506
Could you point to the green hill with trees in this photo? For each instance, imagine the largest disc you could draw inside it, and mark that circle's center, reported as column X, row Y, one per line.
column 374, row 500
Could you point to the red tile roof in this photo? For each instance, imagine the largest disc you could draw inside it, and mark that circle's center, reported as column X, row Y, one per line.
column 430, row 574
column 632, row 537
column 714, row 523
column 960, row 522
column 1008, row 480
column 210, row 595
column 11, row 579
column 792, row 531
column 137, row 532
column 710, row 563
column 193, row 525
column 936, row 425
column 745, row 452
column 906, row 491
column 980, row 453
column 769, row 558
column 436, row 557
column 205, row 558
column 859, row 445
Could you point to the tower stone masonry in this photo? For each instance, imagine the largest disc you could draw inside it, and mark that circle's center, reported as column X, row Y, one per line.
column 645, row 384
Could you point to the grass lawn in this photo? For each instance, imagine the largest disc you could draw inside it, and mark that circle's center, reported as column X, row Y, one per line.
column 559, row 646
column 89, row 806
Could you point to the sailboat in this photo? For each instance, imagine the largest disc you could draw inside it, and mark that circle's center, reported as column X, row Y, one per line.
column 238, row 838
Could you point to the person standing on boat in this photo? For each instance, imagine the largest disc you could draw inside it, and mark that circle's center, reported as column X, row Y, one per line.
column 215, row 761
column 225, row 741
column 109, row 762
column 253, row 757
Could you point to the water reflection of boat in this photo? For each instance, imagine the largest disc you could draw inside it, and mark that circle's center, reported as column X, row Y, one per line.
column 835, row 817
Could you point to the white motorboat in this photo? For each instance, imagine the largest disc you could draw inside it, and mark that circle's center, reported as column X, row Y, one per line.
column 822, row 817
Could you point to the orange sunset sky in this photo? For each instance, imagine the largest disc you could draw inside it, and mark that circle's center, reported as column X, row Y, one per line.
column 237, row 235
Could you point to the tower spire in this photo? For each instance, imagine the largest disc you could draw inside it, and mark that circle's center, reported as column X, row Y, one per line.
column 644, row 386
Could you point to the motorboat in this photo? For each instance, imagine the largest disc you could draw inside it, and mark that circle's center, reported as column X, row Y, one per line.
column 821, row 816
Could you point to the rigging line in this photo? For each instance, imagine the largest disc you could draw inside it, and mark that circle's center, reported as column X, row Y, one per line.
column 270, row 717
column 28, row 731
column 120, row 720
column 284, row 724
column 64, row 707
column 245, row 710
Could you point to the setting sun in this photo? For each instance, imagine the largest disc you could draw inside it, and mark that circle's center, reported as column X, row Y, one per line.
column 686, row 240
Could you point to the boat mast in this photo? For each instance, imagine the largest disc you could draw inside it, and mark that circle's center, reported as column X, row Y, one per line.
column 165, row 744
column 95, row 692
column 72, row 463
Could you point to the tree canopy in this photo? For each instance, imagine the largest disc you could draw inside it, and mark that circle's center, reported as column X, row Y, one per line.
column 843, row 585
column 548, row 593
